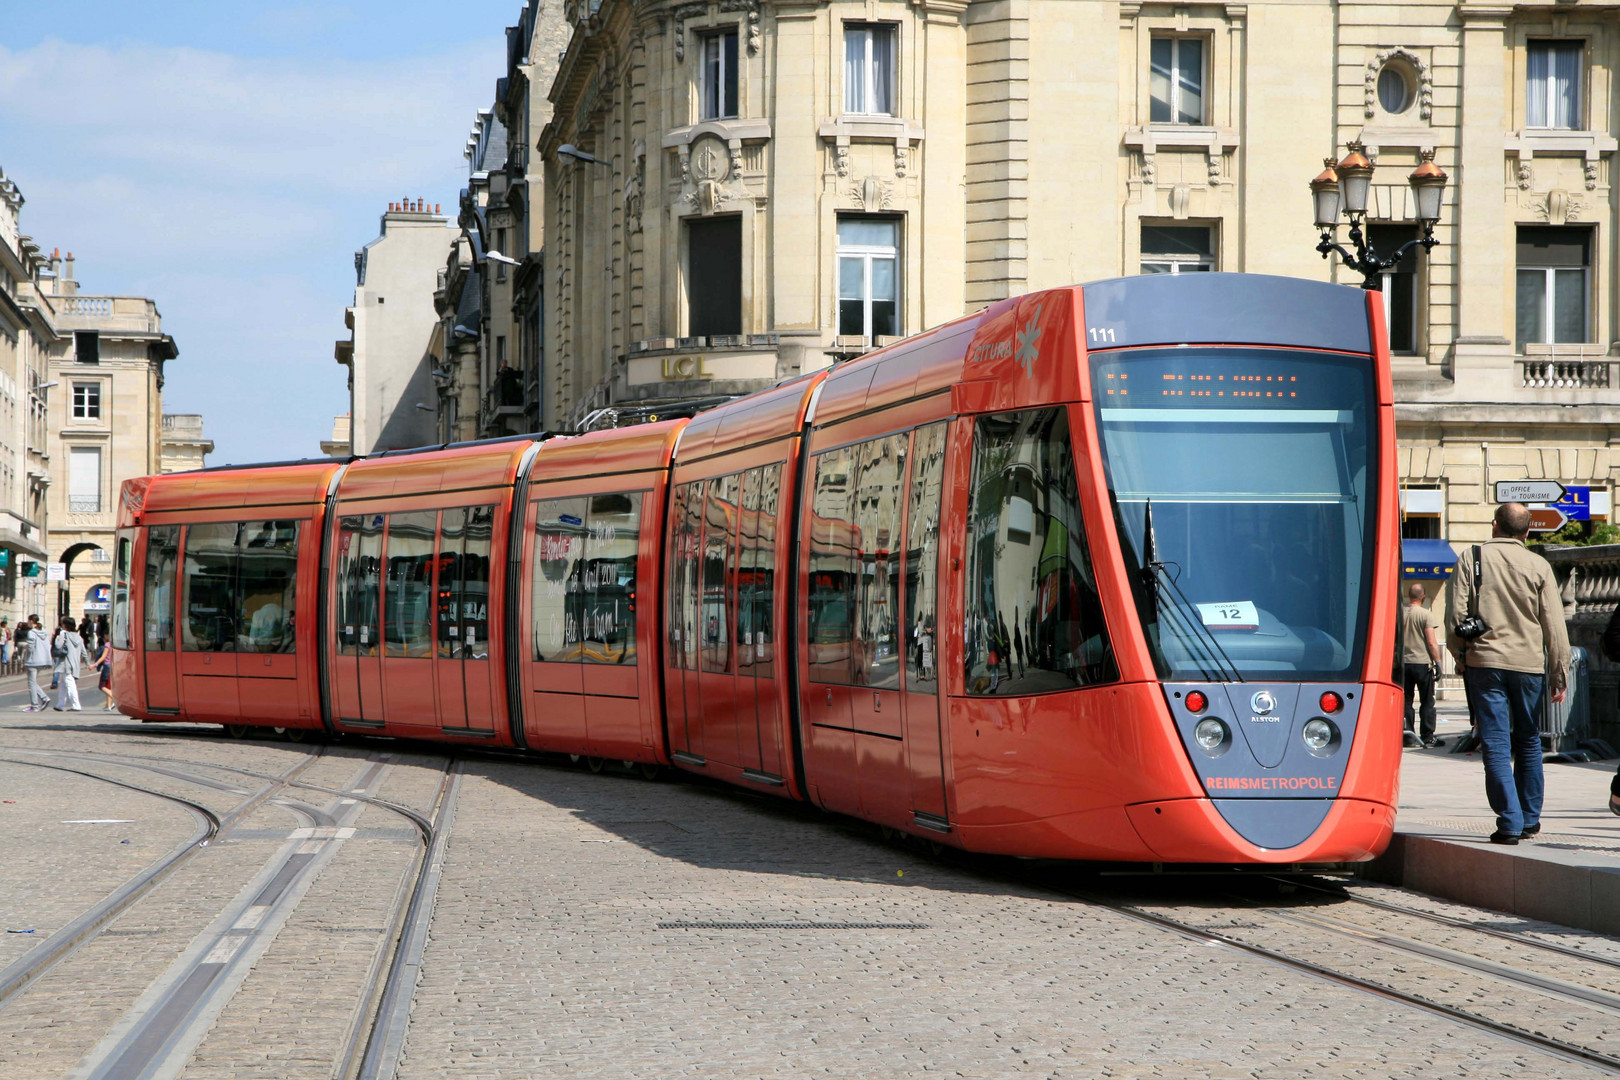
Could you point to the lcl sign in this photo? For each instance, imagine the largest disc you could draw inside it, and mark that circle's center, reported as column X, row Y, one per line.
column 685, row 367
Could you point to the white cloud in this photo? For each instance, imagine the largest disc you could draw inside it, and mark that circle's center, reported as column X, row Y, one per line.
column 234, row 192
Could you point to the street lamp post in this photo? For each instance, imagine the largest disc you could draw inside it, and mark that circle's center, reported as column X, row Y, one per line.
column 1344, row 188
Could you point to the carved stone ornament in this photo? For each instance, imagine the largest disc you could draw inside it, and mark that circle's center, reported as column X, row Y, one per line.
column 1591, row 174
column 751, row 10
column 1425, row 78
column 873, row 194
column 710, row 161
column 841, row 159
column 1525, row 177
column 1150, row 167
column 635, row 185
column 679, row 17
column 1215, row 167
column 1559, row 207
column 901, row 159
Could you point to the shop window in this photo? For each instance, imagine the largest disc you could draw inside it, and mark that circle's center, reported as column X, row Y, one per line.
column 1177, row 80
column 1177, row 249
column 717, row 85
column 1034, row 619
column 868, row 277
column 869, row 69
column 1552, row 86
column 1553, row 284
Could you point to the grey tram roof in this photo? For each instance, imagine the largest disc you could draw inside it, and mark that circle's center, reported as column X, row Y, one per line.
column 1226, row 309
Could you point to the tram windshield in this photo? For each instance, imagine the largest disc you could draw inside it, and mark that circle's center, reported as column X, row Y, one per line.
column 1240, row 483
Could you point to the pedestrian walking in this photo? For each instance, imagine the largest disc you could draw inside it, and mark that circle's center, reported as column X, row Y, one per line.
column 87, row 631
column 1611, row 649
column 19, row 643
column 1420, row 663
column 5, row 645
column 1505, row 623
column 36, row 659
column 103, row 664
column 68, row 654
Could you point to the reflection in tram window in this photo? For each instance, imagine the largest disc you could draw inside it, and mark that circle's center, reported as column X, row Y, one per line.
column 833, row 560
column 685, row 569
column 1241, row 494
column 447, row 604
column 608, row 595
column 763, row 574
column 475, row 558
column 122, row 557
column 1034, row 621
column 408, row 584
column 881, row 470
column 720, row 517
column 360, row 582
column 157, row 606
column 559, row 547
column 240, row 578
column 922, row 558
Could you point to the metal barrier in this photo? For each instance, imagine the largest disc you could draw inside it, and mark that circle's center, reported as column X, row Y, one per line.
column 1567, row 724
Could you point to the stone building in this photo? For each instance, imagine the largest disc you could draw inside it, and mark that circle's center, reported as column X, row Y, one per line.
column 184, row 446
column 338, row 445
column 777, row 186
column 105, row 426
column 389, row 353
column 28, row 334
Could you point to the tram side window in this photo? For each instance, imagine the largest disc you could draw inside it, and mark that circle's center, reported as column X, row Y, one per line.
column 832, row 567
column 162, row 559
column 747, row 584
column 240, row 582
column 673, row 591
column 408, row 585
column 359, row 581
column 267, row 579
column 447, row 601
column 881, row 472
column 612, row 543
column 764, row 569
column 120, row 597
column 720, row 516
column 922, row 558
column 690, row 563
column 1034, row 620
column 475, row 576
column 559, row 553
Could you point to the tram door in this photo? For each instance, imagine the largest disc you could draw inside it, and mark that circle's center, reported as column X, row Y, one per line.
column 157, row 617
column 407, row 627
column 922, row 712
column 478, row 662
column 719, row 690
column 357, row 583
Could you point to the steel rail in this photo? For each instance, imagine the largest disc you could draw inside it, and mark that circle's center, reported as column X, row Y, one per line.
column 17, row 975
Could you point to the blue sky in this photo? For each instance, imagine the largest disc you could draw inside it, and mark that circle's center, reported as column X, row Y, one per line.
column 227, row 160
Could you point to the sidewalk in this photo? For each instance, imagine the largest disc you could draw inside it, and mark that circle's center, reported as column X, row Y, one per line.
column 1569, row 874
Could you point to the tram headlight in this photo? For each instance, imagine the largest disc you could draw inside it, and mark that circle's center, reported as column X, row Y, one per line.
column 1210, row 735
column 1320, row 736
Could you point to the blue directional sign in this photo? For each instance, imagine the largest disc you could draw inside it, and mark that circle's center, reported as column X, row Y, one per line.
column 1576, row 503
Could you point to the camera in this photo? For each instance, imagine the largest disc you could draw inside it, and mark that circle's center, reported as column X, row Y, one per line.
column 1470, row 628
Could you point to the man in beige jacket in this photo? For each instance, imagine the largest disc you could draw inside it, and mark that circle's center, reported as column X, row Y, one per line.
column 1519, row 602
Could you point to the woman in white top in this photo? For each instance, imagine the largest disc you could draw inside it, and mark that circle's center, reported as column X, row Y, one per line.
column 69, row 653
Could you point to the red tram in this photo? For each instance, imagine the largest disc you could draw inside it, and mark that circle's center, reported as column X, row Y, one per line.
column 1105, row 572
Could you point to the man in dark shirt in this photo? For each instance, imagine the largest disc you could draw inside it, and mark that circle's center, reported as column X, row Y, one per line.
column 1420, row 659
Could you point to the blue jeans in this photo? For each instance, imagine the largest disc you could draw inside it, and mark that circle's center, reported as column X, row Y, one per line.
column 1505, row 707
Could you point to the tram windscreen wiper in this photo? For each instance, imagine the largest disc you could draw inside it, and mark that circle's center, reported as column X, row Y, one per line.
column 1176, row 613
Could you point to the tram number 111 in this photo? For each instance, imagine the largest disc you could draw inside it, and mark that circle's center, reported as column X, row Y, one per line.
column 1101, row 334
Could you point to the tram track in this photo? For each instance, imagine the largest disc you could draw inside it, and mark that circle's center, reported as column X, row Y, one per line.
column 1225, row 936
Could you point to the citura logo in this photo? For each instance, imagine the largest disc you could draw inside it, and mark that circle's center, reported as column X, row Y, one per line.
column 1271, row 783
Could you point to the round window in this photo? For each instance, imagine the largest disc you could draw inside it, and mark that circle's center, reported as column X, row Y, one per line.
column 1394, row 89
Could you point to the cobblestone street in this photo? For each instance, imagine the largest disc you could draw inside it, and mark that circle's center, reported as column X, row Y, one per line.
column 604, row 926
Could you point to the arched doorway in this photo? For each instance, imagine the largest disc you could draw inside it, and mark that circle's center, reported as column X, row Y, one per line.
column 66, row 590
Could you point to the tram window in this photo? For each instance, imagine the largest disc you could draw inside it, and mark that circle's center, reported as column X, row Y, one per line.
column 348, row 564
column 747, row 584
column 832, row 567
column 120, row 597
column 612, row 542
column 210, row 588
column 922, row 558
column 691, row 563
column 162, row 557
column 1034, row 620
column 408, row 585
column 366, row 585
column 267, row 579
column 719, row 531
column 559, row 551
column 881, row 471
column 764, row 571
column 447, row 599
column 673, row 578
column 475, row 577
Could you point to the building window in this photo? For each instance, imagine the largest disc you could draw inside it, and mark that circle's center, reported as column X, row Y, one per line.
column 1177, row 249
column 84, row 479
column 868, row 277
column 1394, row 88
column 500, row 352
column 1400, row 286
column 869, row 69
column 1552, row 91
column 717, row 90
column 1421, row 509
column 1552, row 284
column 500, row 246
column 1178, row 80
column 714, row 276
column 87, row 401
column 87, row 347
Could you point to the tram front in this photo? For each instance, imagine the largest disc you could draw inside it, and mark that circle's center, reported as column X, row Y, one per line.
column 1245, row 478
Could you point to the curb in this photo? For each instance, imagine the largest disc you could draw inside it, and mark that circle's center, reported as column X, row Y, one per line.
column 1532, row 880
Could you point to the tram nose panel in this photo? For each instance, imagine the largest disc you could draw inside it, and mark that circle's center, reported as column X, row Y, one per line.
column 1269, row 755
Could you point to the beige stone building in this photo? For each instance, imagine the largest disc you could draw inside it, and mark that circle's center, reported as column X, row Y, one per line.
column 184, row 447
column 390, row 352
column 781, row 185
column 28, row 334
column 105, row 426
column 338, row 445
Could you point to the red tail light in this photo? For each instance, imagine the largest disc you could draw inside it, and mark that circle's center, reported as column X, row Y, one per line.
column 1331, row 702
column 1196, row 701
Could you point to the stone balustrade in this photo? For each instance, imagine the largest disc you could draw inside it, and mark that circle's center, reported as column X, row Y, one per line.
column 1542, row 373
column 1590, row 577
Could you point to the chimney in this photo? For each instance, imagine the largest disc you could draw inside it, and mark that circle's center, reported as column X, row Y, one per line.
column 67, row 267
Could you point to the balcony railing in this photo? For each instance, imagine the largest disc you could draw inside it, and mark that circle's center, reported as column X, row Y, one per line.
column 1550, row 374
column 84, row 504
